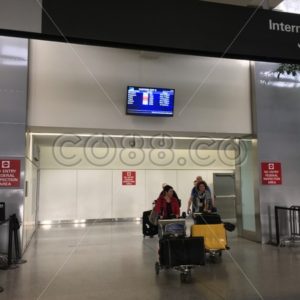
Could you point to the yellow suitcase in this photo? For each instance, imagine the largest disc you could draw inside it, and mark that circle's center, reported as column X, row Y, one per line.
column 214, row 235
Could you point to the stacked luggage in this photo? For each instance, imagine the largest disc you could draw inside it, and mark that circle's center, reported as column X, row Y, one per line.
column 178, row 251
column 182, row 253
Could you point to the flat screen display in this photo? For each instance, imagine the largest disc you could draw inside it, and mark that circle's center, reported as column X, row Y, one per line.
column 147, row 101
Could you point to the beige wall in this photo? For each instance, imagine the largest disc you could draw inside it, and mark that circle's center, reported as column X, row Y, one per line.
column 79, row 86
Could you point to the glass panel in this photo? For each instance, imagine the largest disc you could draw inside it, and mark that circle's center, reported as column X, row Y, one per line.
column 247, row 188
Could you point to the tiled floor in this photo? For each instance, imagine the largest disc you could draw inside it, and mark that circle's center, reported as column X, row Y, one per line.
column 113, row 261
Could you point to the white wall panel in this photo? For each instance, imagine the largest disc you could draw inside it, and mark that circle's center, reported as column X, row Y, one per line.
column 59, row 158
column 98, row 194
column 94, row 194
column 154, row 181
column 57, row 195
column 128, row 200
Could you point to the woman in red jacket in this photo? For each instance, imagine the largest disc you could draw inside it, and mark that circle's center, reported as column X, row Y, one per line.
column 167, row 205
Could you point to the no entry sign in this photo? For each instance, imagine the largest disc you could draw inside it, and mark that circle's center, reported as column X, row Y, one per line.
column 128, row 178
column 271, row 173
column 10, row 173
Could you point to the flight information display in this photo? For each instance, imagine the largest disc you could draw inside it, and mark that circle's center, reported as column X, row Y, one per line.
column 147, row 101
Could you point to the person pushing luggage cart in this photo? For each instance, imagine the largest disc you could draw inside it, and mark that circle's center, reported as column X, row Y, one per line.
column 175, row 249
column 166, row 206
column 201, row 199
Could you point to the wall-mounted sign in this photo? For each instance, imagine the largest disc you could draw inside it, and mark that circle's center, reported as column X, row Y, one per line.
column 10, row 173
column 128, row 178
column 271, row 173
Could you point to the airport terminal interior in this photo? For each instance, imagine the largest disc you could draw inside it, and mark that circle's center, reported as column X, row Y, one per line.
column 98, row 132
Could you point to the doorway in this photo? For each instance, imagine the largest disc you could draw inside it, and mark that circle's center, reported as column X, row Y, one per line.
column 225, row 196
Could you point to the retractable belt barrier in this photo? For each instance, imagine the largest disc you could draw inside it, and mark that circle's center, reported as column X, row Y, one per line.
column 13, row 243
column 13, row 240
column 289, row 223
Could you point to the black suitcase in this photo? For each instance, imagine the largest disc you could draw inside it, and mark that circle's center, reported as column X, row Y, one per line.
column 207, row 218
column 175, row 252
column 148, row 228
column 195, row 250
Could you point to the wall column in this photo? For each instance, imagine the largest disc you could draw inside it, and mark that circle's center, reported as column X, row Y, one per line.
column 277, row 113
column 13, row 111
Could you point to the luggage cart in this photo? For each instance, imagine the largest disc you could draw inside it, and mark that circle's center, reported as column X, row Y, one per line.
column 177, row 251
column 215, row 238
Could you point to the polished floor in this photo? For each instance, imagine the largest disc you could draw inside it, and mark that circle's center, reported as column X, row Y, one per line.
column 113, row 261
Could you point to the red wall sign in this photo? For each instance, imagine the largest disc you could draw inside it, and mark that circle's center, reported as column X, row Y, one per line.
column 271, row 173
column 10, row 173
column 128, row 178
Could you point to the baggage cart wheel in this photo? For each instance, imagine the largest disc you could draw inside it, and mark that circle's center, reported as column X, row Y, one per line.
column 212, row 258
column 182, row 277
column 189, row 276
column 186, row 277
column 157, row 267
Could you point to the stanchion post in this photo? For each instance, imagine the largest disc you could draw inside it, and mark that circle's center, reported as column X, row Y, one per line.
column 277, row 225
column 10, row 238
column 16, row 237
column 13, row 237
